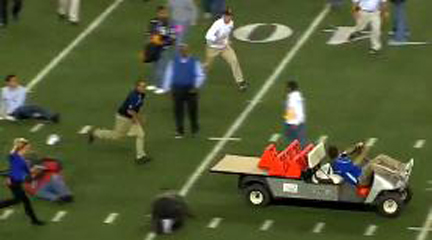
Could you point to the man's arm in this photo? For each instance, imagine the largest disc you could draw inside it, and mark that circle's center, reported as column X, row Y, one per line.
column 200, row 75
column 135, row 117
column 212, row 33
column 168, row 77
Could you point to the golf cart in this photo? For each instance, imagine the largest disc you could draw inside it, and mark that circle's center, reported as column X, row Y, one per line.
column 301, row 174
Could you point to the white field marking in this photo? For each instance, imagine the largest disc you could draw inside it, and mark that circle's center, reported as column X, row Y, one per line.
column 428, row 189
column 409, row 44
column 322, row 139
column 371, row 141
column 6, row 214
column 426, row 226
column 214, row 223
column 65, row 52
column 274, row 137
column 266, row 225
column 429, row 181
column 370, row 230
column 419, row 143
column 318, row 227
column 418, row 229
column 86, row 129
column 258, row 97
column 37, row 127
column 110, row 219
column 224, row 139
column 59, row 216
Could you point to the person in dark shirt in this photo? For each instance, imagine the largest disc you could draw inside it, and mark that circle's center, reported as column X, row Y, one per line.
column 16, row 9
column 128, row 122
column 162, row 37
column 169, row 213
column 19, row 172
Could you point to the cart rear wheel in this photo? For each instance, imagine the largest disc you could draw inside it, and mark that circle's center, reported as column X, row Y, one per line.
column 390, row 204
column 257, row 195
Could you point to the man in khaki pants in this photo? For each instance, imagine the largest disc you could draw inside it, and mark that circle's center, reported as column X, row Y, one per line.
column 70, row 10
column 369, row 12
column 127, row 123
column 217, row 38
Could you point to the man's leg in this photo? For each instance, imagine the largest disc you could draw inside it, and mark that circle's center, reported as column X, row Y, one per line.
column 361, row 22
column 20, row 196
column 74, row 10
column 375, row 31
column 137, row 131
column 46, row 193
column 231, row 58
column 400, row 22
column 121, row 127
column 192, row 104
column 3, row 12
column 211, row 53
column 16, row 9
column 63, row 6
column 178, row 98
column 291, row 132
column 33, row 112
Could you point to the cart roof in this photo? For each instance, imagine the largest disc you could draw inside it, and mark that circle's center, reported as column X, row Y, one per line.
column 236, row 164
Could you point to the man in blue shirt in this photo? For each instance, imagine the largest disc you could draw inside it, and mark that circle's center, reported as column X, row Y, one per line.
column 18, row 174
column 128, row 122
column 183, row 77
column 344, row 166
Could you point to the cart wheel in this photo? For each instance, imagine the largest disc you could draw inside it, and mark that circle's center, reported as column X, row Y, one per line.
column 257, row 195
column 390, row 204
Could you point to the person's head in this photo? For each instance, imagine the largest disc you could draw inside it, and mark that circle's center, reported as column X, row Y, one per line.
column 21, row 146
column 12, row 81
column 228, row 15
column 162, row 12
column 333, row 152
column 292, row 86
column 140, row 86
column 184, row 50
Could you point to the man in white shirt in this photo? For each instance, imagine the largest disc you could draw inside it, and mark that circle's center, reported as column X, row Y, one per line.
column 369, row 12
column 12, row 103
column 218, row 43
column 69, row 9
column 295, row 115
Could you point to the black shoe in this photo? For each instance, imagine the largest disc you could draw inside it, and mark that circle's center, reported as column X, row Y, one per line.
column 143, row 160
column 91, row 136
column 242, row 86
column 38, row 223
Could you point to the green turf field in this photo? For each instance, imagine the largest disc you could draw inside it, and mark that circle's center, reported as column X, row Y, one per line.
column 350, row 96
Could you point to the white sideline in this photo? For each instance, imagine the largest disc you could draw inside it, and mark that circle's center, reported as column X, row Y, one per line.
column 266, row 225
column 59, row 216
column 419, row 143
column 371, row 141
column 6, row 214
column 65, row 52
column 426, row 226
column 110, row 219
column 224, row 139
column 257, row 98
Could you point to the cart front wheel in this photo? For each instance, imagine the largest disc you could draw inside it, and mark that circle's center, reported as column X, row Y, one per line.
column 390, row 204
column 257, row 195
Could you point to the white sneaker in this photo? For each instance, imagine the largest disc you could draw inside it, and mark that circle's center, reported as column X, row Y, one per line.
column 151, row 87
column 159, row 91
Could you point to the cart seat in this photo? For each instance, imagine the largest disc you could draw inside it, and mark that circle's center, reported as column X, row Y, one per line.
column 325, row 174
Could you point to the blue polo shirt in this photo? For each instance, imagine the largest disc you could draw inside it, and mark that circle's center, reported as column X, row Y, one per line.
column 19, row 169
column 134, row 101
column 344, row 166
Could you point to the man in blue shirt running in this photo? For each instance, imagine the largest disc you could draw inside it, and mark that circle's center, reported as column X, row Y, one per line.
column 127, row 123
column 18, row 174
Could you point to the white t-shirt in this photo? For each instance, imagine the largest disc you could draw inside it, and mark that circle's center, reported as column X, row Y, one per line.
column 370, row 5
column 12, row 98
column 218, row 34
column 295, row 113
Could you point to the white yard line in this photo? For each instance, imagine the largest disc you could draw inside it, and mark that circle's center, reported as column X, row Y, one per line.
column 426, row 226
column 59, row 216
column 214, row 223
column 267, row 224
column 428, row 189
column 274, row 137
column 86, row 129
column 257, row 98
column 111, row 218
column 371, row 141
column 418, row 229
column 37, row 127
column 65, row 52
column 6, row 214
column 370, row 230
column 419, row 143
column 429, row 181
column 322, row 139
column 224, row 139
column 318, row 227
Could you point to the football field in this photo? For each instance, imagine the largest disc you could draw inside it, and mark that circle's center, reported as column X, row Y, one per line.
column 85, row 71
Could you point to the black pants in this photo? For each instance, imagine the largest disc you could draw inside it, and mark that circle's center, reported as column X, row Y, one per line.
column 186, row 98
column 19, row 196
column 32, row 112
column 16, row 9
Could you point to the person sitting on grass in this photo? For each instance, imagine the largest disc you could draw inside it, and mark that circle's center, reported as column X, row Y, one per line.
column 48, row 183
column 13, row 107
